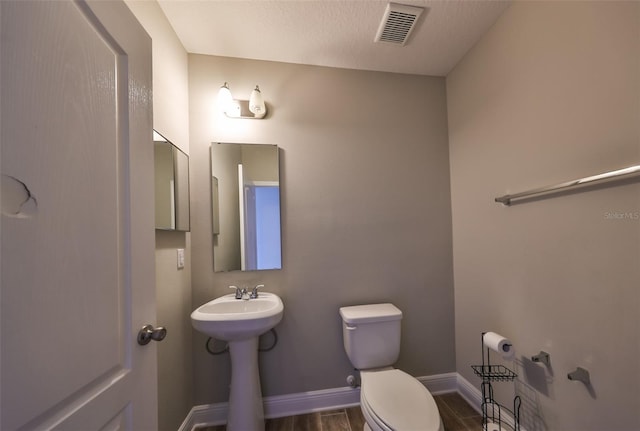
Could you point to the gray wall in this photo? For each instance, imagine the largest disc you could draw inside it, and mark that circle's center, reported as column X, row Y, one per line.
column 365, row 214
column 173, row 286
column 551, row 93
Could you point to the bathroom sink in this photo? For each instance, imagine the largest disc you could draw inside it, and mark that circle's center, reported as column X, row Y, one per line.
column 229, row 319
column 239, row 322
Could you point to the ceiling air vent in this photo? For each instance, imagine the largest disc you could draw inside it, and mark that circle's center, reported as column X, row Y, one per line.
column 397, row 23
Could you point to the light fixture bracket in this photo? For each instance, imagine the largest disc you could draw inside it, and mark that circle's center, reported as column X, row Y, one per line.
column 240, row 109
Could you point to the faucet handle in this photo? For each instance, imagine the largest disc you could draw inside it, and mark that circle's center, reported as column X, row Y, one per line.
column 238, row 291
column 254, row 291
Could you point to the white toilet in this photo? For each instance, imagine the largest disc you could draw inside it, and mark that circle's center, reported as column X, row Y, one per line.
column 390, row 399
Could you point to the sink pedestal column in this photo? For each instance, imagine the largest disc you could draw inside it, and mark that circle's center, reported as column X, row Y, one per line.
column 245, row 399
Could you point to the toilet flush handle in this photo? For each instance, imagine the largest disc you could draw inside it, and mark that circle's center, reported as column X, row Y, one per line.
column 350, row 327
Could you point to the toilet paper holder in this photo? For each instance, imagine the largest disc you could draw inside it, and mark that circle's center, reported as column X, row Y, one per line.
column 542, row 357
column 493, row 412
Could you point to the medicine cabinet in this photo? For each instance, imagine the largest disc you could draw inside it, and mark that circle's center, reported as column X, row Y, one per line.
column 245, row 207
column 171, row 185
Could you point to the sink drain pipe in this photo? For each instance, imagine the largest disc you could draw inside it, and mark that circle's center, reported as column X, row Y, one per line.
column 226, row 345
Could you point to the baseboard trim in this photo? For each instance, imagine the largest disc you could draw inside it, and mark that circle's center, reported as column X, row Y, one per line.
column 470, row 393
column 308, row 402
column 440, row 383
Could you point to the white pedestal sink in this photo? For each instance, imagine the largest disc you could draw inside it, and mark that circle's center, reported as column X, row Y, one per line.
column 240, row 322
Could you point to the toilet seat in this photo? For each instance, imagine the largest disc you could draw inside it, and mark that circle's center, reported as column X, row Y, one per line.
column 396, row 401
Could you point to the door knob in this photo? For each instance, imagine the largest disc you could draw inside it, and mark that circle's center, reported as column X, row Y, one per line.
column 148, row 333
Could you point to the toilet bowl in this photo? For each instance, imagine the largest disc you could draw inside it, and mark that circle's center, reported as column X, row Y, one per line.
column 394, row 400
column 390, row 399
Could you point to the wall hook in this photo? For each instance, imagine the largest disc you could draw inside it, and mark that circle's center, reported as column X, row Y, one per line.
column 543, row 357
column 581, row 375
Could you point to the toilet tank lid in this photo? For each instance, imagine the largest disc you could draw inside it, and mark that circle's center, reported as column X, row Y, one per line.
column 370, row 313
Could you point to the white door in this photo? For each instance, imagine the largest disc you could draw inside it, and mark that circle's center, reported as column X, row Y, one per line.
column 77, row 234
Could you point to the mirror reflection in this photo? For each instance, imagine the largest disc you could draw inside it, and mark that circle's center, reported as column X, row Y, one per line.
column 171, row 185
column 245, row 197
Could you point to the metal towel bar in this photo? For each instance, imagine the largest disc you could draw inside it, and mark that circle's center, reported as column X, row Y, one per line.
column 625, row 173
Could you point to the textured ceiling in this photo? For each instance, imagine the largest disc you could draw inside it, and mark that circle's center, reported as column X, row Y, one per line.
column 336, row 33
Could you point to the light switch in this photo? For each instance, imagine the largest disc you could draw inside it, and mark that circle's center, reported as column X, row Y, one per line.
column 180, row 258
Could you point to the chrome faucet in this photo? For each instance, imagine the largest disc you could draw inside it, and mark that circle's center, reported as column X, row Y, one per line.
column 240, row 293
column 254, row 291
column 243, row 293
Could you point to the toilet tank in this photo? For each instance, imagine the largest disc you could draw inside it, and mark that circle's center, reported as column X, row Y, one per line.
column 371, row 334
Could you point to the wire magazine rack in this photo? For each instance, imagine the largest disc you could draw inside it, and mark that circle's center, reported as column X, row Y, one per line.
column 495, row 416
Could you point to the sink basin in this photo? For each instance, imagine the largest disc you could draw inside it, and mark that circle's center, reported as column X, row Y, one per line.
column 229, row 319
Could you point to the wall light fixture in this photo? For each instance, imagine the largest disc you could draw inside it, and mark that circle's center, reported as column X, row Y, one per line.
column 254, row 108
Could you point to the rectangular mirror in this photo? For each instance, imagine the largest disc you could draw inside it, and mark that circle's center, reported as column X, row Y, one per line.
column 171, row 185
column 245, row 207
